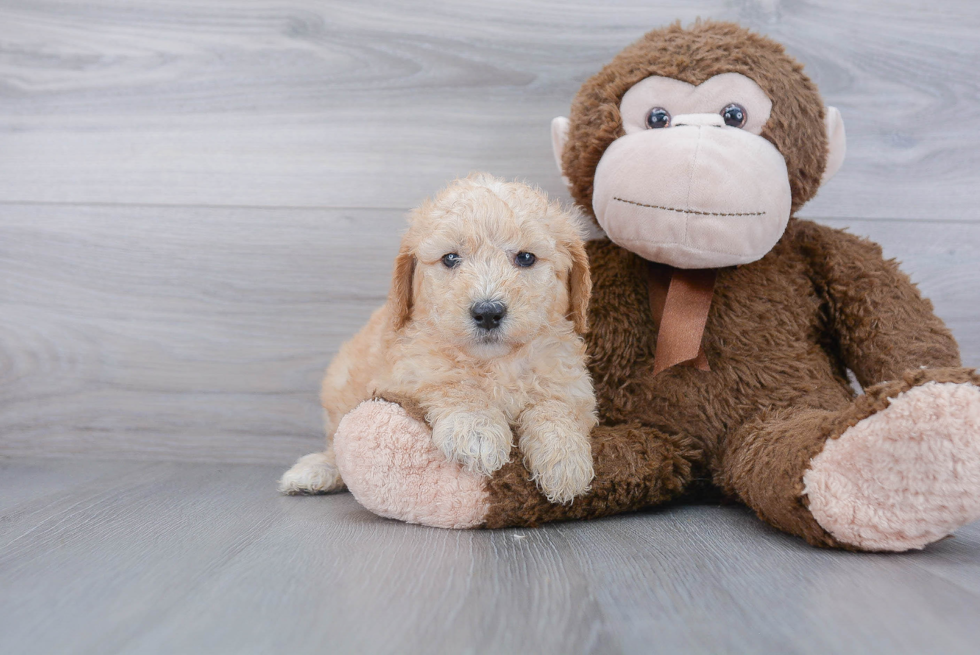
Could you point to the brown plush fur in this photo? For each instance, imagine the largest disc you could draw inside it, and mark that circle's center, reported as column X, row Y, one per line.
column 781, row 334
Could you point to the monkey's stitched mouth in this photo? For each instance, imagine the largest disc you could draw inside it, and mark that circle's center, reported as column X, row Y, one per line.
column 688, row 211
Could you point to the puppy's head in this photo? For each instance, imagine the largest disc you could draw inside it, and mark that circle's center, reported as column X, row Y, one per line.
column 489, row 265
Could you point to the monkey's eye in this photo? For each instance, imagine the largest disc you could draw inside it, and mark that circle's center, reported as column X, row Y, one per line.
column 451, row 260
column 658, row 117
column 734, row 115
column 525, row 259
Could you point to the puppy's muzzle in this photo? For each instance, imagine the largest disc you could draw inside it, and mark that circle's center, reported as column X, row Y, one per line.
column 488, row 314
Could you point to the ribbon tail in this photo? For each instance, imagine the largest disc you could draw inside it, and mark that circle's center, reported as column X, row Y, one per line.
column 685, row 313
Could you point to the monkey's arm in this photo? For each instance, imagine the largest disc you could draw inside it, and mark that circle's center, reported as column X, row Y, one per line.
column 882, row 325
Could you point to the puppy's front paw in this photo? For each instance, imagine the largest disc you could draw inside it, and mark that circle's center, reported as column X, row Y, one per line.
column 479, row 441
column 562, row 471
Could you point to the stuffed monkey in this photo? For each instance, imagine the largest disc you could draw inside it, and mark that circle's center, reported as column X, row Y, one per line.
column 722, row 327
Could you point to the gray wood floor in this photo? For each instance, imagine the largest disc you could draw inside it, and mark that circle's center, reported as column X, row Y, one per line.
column 199, row 201
column 142, row 557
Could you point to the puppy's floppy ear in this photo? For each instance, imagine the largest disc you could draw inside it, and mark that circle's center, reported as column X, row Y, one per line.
column 580, row 287
column 400, row 296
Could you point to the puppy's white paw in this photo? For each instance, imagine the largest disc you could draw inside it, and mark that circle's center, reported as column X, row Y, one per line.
column 562, row 471
column 479, row 441
column 311, row 474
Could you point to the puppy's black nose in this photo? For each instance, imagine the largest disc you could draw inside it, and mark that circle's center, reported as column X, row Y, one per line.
column 488, row 314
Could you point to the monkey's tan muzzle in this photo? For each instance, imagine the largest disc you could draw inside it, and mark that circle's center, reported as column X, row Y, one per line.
column 695, row 195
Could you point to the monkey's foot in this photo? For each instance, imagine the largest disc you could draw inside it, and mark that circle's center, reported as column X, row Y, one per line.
column 389, row 463
column 905, row 476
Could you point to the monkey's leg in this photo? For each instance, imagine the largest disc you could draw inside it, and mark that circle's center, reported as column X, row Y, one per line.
column 896, row 469
column 385, row 454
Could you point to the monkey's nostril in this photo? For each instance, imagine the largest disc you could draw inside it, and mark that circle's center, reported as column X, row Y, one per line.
column 488, row 315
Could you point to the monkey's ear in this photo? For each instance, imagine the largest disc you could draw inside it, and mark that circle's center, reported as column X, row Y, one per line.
column 836, row 142
column 559, row 135
column 400, row 296
column 580, row 287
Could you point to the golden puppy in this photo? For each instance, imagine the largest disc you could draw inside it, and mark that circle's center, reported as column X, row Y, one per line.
column 482, row 328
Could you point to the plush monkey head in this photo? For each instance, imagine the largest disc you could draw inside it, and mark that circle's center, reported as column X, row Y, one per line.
column 693, row 147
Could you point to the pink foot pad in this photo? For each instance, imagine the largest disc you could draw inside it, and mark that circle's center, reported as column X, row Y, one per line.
column 388, row 462
column 904, row 477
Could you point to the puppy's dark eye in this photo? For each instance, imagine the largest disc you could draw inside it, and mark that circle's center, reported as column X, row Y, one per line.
column 734, row 115
column 451, row 260
column 658, row 117
column 525, row 259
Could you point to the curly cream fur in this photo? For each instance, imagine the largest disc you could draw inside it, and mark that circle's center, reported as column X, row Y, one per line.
column 423, row 343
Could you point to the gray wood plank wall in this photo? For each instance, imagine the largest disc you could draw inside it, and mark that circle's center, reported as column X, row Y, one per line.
column 200, row 201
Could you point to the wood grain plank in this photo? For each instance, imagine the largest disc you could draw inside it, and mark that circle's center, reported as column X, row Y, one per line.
column 201, row 334
column 376, row 586
column 26, row 482
column 167, row 558
column 956, row 559
column 353, row 104
column 743, row 587
column 127, row 326
column 78, row 572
